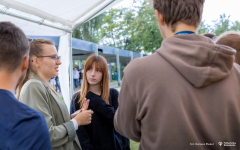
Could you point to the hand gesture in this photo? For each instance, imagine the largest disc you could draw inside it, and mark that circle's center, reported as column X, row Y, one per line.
column 84, row 107
column 75, row 113
column 84, row 118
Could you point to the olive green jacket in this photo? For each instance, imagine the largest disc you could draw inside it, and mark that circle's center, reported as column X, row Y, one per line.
column 36, row 94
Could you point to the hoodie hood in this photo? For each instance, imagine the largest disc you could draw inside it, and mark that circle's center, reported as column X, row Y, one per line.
column 197, row 58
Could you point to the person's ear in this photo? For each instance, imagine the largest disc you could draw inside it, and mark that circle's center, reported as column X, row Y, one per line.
column 35, row 61
column 25, row 63
column 159, row 17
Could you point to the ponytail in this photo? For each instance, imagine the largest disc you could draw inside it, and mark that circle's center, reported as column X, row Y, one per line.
column 35, row 50
column 27, row 77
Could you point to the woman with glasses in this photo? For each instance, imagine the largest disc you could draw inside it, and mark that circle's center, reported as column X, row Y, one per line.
column 36, row 93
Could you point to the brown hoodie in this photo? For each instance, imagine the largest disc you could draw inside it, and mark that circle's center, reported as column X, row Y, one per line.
column 186, row 96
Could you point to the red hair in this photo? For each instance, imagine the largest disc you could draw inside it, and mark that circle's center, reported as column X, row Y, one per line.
column 100, row 62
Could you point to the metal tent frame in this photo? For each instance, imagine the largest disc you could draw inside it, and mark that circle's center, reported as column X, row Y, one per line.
column 69, row 26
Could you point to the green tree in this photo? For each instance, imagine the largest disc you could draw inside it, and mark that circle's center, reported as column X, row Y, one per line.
column 204, row 28
column 236, row 26
column 128, row 30
column 89, row 31
column 134, row 29
column 110, row 32
column 221, row 25
column 146, row 31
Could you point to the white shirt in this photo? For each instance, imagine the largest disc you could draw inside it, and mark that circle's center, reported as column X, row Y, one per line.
column 75, row 124
column 75, row 74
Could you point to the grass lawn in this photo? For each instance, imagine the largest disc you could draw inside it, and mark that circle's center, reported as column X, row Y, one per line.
column 134, row 145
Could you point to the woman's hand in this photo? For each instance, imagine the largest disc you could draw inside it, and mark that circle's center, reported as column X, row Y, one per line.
column 75, row 113
column 84, row 118
column 85, row 107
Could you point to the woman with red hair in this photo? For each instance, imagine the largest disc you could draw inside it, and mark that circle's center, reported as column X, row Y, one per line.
column 100, row 133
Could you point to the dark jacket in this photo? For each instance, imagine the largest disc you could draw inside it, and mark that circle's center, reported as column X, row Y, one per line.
column 100, row 134
column 21, row 127
column 80, row 75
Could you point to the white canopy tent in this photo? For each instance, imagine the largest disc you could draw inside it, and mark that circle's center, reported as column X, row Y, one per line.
column 54, row 18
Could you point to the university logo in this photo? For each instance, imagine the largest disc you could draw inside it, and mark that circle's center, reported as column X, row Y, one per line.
column 220, row 143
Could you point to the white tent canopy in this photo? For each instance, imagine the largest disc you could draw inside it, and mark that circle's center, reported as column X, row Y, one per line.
column 60, row 14
column 54, row 18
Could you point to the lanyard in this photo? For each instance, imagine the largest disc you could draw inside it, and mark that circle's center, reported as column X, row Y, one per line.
column 185, row 32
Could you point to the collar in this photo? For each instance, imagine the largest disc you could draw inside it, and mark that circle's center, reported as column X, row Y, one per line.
column 37, row 77
column 185, row 32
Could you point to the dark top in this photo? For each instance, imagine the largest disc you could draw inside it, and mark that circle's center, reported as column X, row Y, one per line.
column 80, row 75
column 100, row 134
column 21, row 127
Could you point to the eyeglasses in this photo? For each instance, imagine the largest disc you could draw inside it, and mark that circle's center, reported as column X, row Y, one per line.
column 55, row 57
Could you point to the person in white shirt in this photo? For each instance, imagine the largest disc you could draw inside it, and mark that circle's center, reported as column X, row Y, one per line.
column 75, row 78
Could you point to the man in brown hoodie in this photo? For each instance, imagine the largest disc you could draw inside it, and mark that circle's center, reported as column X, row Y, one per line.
column 186, row 96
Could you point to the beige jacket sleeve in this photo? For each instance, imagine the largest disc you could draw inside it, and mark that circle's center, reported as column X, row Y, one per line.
column 125, row 119
column 34, row 94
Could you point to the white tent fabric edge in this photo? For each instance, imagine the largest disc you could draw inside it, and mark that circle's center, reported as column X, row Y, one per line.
column 19, row 10
column 63, row 51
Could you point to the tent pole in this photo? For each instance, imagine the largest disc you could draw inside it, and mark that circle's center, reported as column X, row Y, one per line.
column 131, row 54
column 118, row 66
column 96, row 49
column 70, row 65
column 34, row 21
